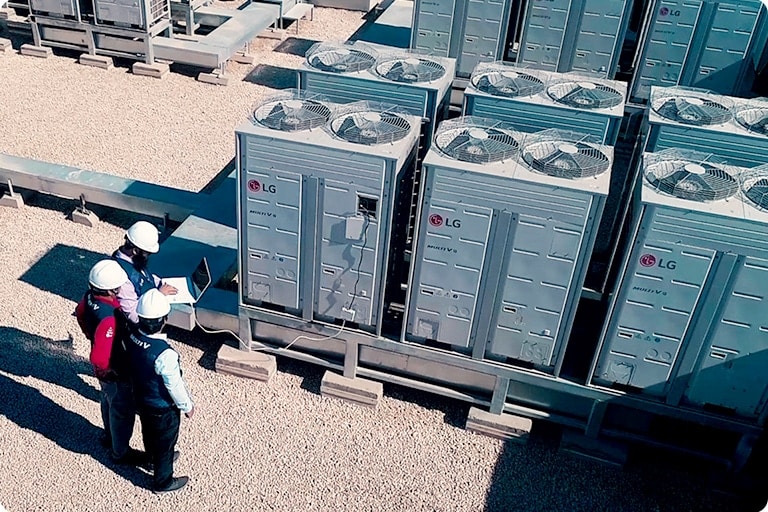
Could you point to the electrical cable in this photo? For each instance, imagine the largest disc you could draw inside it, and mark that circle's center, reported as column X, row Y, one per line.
column 302, row 336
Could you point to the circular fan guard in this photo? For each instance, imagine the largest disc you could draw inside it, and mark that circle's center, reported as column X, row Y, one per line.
column 340, row 60
column 292, row 115
column 370, row 127
column 410, row 70
column 754, row 119
column 510, row 84
column 683, row 179
column 564, row 159
column 477, row 144
column 692, row 110
column 585, row 95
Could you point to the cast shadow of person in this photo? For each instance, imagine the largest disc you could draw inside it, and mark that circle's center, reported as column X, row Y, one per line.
column 27, row 355
column 30, row 409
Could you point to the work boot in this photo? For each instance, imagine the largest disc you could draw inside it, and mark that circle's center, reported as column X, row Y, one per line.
column 150, row 466
column 176, row 484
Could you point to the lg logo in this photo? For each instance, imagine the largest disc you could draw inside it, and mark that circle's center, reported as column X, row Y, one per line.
column 666, row 11
column 649, row 260
column 255, row 186
column 437, row 221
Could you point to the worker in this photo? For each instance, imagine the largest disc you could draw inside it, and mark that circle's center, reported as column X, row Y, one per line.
column 160, row 392
column 141, row 240
column 102, row 322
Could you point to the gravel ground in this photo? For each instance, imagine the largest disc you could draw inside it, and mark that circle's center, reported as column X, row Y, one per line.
column 175, row 131
column 251, row 446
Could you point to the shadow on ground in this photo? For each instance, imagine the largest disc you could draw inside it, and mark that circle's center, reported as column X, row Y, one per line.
column 295, row 46
column 26, row 355
column 273, row 77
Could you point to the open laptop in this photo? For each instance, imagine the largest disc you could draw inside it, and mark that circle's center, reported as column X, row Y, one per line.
column 190, row 287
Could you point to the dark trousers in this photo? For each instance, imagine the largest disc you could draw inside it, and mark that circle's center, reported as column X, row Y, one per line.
column 160, row 429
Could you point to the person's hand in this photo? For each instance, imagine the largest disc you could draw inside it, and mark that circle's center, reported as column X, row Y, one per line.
column 167, row 289
column 190, row 413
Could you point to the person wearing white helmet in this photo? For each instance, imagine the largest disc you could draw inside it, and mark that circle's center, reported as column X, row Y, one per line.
column 100, row 319
column 160, row 392
column 141, row 240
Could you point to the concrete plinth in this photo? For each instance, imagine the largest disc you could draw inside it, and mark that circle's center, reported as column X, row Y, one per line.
column 277, row 34
column 602, row 450
column 89, row 219
column 251, row 365
column 97, row 61
column 500, row 426
column 156, row 70
column 12, row 200
column 215, row 78
column 31, row 50
column 5, row 44
column 242, row 58
column 358, row 391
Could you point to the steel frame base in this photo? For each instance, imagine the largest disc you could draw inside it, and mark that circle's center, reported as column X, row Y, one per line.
column 595, row 412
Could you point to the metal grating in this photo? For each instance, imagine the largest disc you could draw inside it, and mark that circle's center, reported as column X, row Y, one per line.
column 477, row 140
column 565, row 155
column 690, row 175
column 370, row 123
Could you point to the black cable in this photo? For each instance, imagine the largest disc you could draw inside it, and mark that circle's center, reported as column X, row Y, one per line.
column 360, row 261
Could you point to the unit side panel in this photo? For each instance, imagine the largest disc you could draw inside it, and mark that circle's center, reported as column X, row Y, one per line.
column 345, row 89
column 667, row 44
column 271, row 217
column 732, row 371
column 662, row 287
column 530, row 117
column 482, row 33
column 536, row 287
column 544, row 30
column 348, row 261
column 432, row 26
column 726, row 46
column 737, row 150
column 60, row 7
column 570, row 207
column 449, row 261
column 726, row 234
column 597, row 41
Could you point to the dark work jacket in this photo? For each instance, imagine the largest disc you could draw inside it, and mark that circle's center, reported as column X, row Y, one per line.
column 142, row 280
column 148, row 387
column 90, row 313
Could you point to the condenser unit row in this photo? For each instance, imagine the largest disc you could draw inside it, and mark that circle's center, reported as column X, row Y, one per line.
column 534, row 100
column 324, row 192
column 574, row 35
column 688, row 322
column 141, row 14
column 734, row 129
column 506, row 228
column 719, row 46
column 343, row 73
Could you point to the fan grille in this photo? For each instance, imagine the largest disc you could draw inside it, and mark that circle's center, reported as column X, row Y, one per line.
column 292, row 115
column 370, row 126
column 754, row 119
column 565, row 159
column 692, row 110
column 694, row 181
column 585, row 95
column 509, row 84
column 409, row 70
column 476, row 143
column 336, row 59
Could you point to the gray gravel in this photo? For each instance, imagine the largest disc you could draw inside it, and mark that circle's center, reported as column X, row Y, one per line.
column 251, row 446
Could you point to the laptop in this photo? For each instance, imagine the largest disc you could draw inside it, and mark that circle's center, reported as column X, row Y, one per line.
column 190, row 288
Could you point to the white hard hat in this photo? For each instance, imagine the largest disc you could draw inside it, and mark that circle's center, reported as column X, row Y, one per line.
column 153, row 304
column 107, row 275
column 144, row 236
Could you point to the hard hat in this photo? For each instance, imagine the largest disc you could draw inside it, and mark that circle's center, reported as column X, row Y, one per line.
column 144, row 236
column 153, row 304
column 107, row 275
